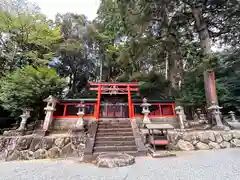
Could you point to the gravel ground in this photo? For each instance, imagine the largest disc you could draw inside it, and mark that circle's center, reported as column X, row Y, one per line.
column 200, row 165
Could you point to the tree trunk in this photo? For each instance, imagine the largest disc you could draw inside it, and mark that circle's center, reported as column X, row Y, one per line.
column 202, row 29
column 166, row 66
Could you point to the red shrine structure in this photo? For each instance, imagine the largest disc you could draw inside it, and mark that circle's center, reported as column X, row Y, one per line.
column 114, row 100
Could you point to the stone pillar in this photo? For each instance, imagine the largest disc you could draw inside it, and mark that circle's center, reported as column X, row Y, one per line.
column 24, row 116
column 232, row 115
column 49, row 110
column 145, row 110
column 181, row 116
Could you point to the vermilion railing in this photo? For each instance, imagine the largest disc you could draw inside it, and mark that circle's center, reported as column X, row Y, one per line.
column 69, row 110
column 156, row 110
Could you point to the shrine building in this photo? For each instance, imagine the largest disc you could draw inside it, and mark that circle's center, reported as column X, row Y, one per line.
column 113, row 101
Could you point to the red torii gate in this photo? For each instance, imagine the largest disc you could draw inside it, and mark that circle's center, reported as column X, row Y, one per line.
column 113, row 89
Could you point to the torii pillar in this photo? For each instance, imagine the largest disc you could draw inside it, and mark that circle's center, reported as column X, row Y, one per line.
column 210, row 91
column 210, row 88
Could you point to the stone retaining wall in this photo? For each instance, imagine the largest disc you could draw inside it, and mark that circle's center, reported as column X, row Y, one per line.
column 66, row 124
column 203, row 140
column 36, row 147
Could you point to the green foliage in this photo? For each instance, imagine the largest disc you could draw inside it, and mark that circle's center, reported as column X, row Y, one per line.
column 161, row 44
column 26, row 39
column 28, row 87
column 228, row 74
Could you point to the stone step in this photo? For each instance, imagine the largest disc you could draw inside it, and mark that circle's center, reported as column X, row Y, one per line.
column 112, row 143
column 114, row 148
column 133, row 153
column 114, row 126
column 114, row 133
column 115, row 138
column 114, row 122
column 114, row 130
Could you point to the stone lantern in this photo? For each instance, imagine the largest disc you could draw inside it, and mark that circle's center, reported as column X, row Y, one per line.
column 25, row 115
column 181, row 116
column 49, row 110
column 234, row 123
column 216, row 114
column 232, row 115
column 145, row 110
column 81, row 112
column 199, row 112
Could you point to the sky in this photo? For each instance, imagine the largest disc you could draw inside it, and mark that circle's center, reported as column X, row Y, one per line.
column 52, row 7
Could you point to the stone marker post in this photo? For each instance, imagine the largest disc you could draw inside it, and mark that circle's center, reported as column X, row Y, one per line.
column 181, row 116
column 145, row 110
column 24, row 116
column 232, row 114
column 49, row 110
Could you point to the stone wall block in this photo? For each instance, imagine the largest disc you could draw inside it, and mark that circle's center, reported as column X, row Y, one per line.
column 188, row 137
column 185, row 145
column 226, row 136
column 47, row 143
column 12, row 143
column 23, row 143
column 203, row 137
column 202, row 146
column 13, row 155
column 36, row 144
column 173, row 147
column 218, row 137
column 60, row 142
column 236, row 134
column 235, row 143
column 80, row 155
column 225, row 144
column 214, row 145
column 26, row 155
column 77, row 141
column 4, row 141
column 53, row 152
column 67, row 151
column 66, row 140
column 40, row 154
column 3, row 155
column 211, row 136
column 195, row 142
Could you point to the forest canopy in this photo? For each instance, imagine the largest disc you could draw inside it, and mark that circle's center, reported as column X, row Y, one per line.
column 164, row 45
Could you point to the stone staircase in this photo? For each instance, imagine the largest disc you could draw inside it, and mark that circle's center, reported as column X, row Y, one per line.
column 115, row 136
